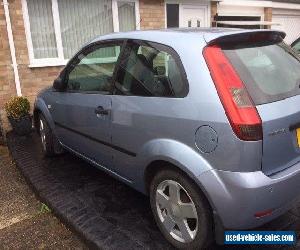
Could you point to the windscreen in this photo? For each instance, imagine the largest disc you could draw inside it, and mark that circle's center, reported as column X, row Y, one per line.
column 270, row 71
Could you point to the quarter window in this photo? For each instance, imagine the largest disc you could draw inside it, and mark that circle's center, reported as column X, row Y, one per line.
column 93, row 71
column 296, row 46
column 150, row 69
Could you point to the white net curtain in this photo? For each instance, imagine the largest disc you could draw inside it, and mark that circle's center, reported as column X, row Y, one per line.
column 42, row 28
column 79, row 21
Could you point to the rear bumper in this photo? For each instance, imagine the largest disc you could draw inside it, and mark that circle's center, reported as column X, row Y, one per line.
column 237, row 196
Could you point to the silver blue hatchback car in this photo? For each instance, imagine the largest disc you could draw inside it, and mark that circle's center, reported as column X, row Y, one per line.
column 205, row 122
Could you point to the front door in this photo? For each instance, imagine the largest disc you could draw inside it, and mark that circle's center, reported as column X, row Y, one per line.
column 193, row 16
column 82, row 113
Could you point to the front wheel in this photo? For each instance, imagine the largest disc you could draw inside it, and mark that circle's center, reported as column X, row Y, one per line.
column 180, row 210
column 50, row 145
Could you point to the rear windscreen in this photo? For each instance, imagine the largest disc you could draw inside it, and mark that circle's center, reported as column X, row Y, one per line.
column 270, row 71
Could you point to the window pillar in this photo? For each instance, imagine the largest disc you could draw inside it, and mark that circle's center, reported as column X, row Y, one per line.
column 152, row 14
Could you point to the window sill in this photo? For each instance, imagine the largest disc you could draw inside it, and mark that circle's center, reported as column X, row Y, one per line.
column 47, row 64
column 41, row 63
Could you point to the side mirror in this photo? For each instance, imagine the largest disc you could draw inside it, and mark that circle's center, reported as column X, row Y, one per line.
column 58, row 84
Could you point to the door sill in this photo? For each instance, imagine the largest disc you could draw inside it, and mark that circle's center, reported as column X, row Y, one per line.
column 96, row 164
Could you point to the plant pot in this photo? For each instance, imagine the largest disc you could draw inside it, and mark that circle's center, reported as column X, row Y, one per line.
column 22, row 125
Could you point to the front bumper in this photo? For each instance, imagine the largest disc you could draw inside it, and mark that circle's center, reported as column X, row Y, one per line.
column 237, row 196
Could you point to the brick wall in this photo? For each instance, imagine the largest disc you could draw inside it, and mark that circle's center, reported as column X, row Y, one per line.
column 213, row 13
column 152, row 14
column 7, row 83
column 268, row 16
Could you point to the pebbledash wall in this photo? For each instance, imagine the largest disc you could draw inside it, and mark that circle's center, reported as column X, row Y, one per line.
column 32, row 80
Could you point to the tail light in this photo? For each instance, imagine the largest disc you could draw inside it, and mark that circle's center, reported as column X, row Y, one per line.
column 263, row 213
column 238, row 105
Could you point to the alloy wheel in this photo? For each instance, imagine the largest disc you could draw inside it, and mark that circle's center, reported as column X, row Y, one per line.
column 43, row 134
column 176, row 211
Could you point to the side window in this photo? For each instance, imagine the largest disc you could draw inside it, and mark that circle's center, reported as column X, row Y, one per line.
column 297, row 46
column 150, row 69
column 94, row 69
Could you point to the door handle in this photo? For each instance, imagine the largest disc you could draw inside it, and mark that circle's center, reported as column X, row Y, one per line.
column 101, row 111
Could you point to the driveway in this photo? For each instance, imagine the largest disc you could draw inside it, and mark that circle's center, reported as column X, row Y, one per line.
column 105, row 212
column 23, row 222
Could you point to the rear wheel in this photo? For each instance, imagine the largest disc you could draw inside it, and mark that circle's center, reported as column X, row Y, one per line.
column 180, row 210
column 50, row 145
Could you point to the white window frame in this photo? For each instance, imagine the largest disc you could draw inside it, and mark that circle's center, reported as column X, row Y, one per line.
column 60, row 60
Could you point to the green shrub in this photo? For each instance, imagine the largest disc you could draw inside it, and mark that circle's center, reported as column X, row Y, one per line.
column 17, row 107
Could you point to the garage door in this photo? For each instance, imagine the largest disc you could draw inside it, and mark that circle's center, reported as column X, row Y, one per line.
column 289, row 22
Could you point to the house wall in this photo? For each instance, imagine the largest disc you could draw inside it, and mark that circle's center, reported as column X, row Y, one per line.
column 268, row 15
column 7, row 83
column 152, row 14
column 213, row 13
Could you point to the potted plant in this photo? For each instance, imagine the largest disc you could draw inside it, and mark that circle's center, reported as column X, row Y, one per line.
column 17, row 109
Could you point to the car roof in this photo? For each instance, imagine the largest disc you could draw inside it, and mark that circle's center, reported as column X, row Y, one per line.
column 170, row 36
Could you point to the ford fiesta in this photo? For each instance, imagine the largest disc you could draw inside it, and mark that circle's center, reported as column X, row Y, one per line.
column 205, row 122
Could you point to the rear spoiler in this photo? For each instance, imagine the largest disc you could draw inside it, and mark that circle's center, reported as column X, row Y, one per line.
column 246, row 36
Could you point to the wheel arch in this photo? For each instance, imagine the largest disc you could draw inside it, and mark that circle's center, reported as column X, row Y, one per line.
column 40, row 107
column 159, row 165
column 168, row 152
column 36, row 114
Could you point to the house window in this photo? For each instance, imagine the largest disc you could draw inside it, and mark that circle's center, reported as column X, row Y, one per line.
column 42, row 29
column 56, row 29
column 82, row 20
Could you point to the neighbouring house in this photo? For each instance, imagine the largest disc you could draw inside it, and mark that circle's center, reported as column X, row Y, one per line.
column 37, row 37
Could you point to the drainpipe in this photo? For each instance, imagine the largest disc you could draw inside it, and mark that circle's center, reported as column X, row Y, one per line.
column 12, row 48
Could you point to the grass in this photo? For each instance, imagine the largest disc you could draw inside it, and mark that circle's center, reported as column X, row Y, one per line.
column 45, row 209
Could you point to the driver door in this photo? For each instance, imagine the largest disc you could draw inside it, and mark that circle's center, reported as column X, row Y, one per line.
column 82, row 113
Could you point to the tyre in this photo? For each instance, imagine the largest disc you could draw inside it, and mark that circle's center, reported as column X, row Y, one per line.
column 181, row 211
column 50, row 145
